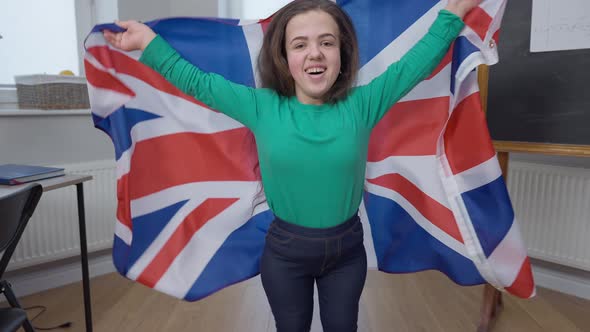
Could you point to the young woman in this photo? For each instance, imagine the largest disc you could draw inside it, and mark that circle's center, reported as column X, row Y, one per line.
column 312, row 131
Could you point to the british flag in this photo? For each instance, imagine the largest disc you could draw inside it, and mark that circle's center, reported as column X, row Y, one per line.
column 187, row 221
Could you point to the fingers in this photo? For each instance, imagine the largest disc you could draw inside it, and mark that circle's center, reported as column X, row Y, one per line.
column 462, row 7
column 108, row 34
column 124, row 24
column 114, row 38
column 135, row 35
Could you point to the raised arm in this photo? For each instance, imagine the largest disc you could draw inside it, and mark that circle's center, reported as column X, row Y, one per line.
column 235, row 100
column 400, row 77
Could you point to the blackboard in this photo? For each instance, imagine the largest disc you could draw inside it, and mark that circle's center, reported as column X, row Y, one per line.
column 537, row 97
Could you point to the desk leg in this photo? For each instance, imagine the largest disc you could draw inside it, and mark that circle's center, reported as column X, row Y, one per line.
column 84, row 255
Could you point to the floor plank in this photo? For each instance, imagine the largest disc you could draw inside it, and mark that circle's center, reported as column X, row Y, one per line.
column 426, row 301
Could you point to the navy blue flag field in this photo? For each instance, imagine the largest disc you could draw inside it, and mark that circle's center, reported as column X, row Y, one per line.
column 187, row 223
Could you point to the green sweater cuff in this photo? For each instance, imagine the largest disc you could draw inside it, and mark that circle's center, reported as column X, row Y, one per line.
column 447, row 26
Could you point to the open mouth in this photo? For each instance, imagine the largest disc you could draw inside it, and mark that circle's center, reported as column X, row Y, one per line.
column 315, row 71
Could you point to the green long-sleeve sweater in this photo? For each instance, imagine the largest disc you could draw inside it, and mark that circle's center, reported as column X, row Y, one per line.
column 312, row 157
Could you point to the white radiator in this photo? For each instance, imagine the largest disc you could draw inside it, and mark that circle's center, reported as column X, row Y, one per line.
column 552, row 205
column 52, row 233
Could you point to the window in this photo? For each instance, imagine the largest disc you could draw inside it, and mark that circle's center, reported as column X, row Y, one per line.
column 37, row 37
column 45, row 36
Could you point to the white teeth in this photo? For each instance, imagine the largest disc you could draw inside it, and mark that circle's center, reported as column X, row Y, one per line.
column 314, row 70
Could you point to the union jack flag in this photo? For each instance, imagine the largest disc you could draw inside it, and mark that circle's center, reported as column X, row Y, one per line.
column 187, row 221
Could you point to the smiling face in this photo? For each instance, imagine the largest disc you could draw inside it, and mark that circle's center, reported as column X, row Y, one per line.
column 312, row 45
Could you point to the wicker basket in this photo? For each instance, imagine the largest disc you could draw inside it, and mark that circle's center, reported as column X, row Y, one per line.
column 50, row 92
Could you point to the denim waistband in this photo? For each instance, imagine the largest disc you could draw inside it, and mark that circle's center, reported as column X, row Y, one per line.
column 316, row 232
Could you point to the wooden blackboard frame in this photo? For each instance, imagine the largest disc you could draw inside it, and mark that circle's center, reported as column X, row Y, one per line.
column 527, row 147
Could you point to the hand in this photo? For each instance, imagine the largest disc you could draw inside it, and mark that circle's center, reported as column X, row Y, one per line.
column 461, row 7
column 136, row 36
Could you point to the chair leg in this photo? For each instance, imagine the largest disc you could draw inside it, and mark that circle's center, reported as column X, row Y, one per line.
column 13, row 301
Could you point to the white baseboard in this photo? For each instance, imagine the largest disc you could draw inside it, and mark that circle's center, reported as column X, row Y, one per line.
column 52, row 275
column 562, row 279
column 29, row 281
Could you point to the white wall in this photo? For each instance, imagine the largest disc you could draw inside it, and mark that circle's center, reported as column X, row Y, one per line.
column 256, row 9
column 106, row 11
column 249, row 9
column 146, row 10
column 52, row 139
column 194, row 8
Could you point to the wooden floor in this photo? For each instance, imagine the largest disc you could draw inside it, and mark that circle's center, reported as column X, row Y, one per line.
column 425, row 301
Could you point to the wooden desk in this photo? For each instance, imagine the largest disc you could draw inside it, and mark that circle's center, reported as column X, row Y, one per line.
column 60, row 182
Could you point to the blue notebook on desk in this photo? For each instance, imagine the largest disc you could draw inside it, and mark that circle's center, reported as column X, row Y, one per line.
column 12, row 174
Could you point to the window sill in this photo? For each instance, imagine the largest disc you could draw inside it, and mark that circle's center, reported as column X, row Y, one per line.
column 34, row 112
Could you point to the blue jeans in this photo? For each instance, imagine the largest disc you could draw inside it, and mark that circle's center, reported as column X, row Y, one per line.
column 295, row 257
